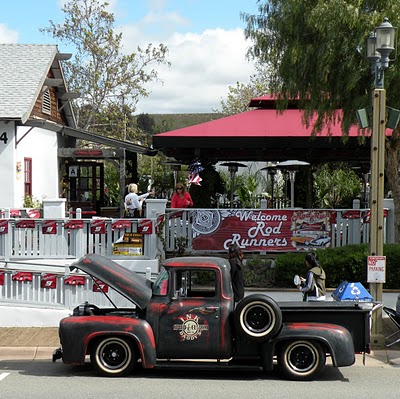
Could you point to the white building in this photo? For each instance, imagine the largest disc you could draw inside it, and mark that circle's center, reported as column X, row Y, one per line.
column 38, row 133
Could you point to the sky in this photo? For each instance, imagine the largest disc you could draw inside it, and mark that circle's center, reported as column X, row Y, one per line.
column 205, row 39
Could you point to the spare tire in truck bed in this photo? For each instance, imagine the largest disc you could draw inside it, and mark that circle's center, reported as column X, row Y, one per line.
column 258, row 317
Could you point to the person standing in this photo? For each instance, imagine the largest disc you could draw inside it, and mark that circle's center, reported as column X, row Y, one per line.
column 313, row 286
column 237, row 275
column 133, row 204
column 181, row 198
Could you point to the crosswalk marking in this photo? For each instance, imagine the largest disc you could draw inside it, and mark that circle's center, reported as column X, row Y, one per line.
column 3, row 375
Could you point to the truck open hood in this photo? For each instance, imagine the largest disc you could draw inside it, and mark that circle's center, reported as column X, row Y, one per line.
column 128, row 283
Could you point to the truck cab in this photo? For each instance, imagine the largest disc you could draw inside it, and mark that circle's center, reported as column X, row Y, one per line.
column 191, row 308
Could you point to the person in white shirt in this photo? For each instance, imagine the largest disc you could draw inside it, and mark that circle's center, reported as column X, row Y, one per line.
column 133, row 204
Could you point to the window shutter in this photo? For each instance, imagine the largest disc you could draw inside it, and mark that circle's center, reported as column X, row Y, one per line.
column 46, row 102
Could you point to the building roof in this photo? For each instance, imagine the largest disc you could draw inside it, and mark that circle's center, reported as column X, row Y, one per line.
column 23, row 69
column 262, row 134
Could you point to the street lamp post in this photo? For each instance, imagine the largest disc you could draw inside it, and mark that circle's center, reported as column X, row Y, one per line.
column 233, row 167
column 380, row 44
column 271, row 170
column 291, row 166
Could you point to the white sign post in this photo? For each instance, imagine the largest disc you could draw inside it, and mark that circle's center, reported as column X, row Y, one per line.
column 376, row 269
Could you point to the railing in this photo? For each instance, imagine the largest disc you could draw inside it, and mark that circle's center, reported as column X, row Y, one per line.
column 32, row 288
column 69, row 238
column 25, row 245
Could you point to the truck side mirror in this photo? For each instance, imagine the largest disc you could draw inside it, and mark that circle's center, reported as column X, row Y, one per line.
column 176, row 295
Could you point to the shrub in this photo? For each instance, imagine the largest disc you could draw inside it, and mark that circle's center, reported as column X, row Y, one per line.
column 259, row 272
column 348, row 263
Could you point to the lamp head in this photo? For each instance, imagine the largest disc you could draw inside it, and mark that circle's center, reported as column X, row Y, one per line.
column 385, row 41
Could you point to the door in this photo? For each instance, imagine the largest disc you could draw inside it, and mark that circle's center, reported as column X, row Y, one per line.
column 86, row 186
column 189, row 325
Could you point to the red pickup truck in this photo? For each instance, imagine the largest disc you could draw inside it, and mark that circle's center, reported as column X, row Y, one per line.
column 187, row 317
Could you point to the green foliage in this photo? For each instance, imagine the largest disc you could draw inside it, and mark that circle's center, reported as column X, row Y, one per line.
column 316, row 51
column 259, row 272
column 287, row 266
column 348, row 263
column 392, row 253
column 344, row 263
column 248, row 185
column 240, row 95
column 31, row 202
column 100, row 71
column 336, row 185
column 111, row 185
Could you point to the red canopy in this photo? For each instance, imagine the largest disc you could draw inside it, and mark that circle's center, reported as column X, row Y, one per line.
column 262, row 134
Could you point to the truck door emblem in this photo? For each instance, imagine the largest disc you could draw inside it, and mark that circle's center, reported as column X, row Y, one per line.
column 190, row 329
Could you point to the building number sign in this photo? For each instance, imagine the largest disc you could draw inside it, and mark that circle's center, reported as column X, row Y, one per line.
column 3, row 137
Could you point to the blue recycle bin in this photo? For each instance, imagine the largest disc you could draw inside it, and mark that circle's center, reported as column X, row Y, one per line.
column 352, row 292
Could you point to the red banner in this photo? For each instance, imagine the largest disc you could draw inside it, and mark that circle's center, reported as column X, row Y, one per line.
column 25, row 224
column 99, row 286
column 2, row 278
column 75, row 280
column 22, row 276
column 121, row 224
column 49, row 227
column 4, row 226
column 15, row 213
column 74, row 224
column 261, row 230
column 48, row 280
column 98, row 227
column 145, row 226
column 33, row 213
column 159, row 221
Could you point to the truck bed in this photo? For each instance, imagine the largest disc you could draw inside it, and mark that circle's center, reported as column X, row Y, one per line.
column 355, row 316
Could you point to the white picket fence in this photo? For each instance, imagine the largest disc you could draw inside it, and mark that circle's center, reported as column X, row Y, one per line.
column 28, row 249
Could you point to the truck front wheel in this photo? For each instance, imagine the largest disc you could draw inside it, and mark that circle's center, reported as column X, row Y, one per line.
column 113, row 357
column 258, row 317
column 301, row 360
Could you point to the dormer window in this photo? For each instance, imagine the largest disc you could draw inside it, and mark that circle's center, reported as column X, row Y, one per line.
column 46, row 102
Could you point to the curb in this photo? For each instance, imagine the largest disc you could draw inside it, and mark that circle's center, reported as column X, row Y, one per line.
column 26, row 353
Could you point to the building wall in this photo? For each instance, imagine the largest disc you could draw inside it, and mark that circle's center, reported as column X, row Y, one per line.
column 41, row 146
column 7, row 164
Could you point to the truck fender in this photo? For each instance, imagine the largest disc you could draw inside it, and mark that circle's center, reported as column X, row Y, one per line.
column 335, row 339
column 77, row 334
column 258, row 317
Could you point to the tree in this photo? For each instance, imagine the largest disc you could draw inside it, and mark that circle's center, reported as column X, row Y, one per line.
column 99, row 70
column 336, row 186
column 240, row 95
column 316, row 52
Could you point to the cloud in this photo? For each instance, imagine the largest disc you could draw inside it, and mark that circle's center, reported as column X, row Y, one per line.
column 203, row 66
column 7, row 35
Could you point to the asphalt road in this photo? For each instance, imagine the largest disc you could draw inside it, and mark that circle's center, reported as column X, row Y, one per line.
column 46, row 380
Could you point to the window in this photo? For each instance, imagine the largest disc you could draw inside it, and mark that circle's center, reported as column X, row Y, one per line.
column 28, row 176
column 160, row 286
column 46, row 102
column 196, row 283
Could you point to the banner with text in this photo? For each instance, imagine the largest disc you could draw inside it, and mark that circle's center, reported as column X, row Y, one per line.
column 261, row 230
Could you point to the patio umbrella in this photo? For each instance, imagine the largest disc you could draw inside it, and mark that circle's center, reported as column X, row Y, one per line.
column 233, row 167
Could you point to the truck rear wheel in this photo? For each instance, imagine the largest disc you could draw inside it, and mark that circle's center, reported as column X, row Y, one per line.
column 258, row 317
column 113, row 357
column 301, row 360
